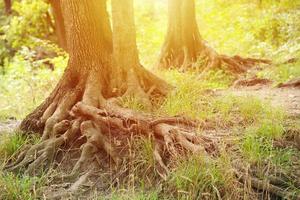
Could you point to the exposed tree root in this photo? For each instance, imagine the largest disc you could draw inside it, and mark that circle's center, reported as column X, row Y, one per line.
column 266, row 186
column 251, row 82
column 276, row 185
column 294, row 83
column 100, row 125
column 182, row 59
column 126, row 121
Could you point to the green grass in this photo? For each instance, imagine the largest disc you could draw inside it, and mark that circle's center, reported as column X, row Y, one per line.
column 231, row 27
column 281, row 73
column 256, row 121
column 13, row 187
column 26, row 84
column 10, row 143
column 198, row 177
column 132, row 195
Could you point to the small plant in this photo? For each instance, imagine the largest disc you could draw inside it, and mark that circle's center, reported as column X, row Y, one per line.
column 199, row 177
column 12, row 142
column 13, row 187
column 257, row 145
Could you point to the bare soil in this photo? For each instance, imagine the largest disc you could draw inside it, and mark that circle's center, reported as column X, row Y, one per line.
column 287, row 97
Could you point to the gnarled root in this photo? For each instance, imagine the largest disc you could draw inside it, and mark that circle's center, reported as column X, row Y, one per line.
column 99, row 126
column 294, row 83
column 235, row 65
column 186, row 59
column 266, row 185
column 168, row 134
column 40, row 156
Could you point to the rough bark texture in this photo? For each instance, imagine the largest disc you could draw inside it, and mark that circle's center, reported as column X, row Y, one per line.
column 85, row 103
column 184, row 45
column 83, row 114
column 129, row 78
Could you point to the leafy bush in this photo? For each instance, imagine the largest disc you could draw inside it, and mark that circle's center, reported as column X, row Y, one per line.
column 29, row 22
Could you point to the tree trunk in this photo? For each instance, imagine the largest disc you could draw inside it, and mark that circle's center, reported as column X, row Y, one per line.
column 184, row 45
column 89, row 43
column 7, row 6
column 129, row 77
column 85, row 103
column 59, row 23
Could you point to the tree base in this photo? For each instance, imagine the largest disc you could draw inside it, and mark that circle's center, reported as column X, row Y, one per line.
column 185, row 59
column 83, row 120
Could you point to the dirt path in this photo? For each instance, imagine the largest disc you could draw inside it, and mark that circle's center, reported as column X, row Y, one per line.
column 287, row 98
column 8, row 126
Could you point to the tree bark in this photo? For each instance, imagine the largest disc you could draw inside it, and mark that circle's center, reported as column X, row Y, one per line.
column 127, row 68
column 59, row 23
column 85, row 101
column 8, row 5
column 184, row 45
column 183, row 39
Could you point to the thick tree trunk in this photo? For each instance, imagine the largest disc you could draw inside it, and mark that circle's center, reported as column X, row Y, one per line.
column 129, row 77
column 83, row 115
column 184, row 45
column 59, row 23
column 7, row 6
column 183, row 41
column 85, row 101
column 89, row 40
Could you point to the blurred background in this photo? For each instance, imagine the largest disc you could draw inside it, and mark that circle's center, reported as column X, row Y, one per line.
column 31, row 61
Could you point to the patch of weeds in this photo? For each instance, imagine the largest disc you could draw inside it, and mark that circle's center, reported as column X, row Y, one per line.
column 182, row 100
column 138, row 167
column 257, row 146
column 217, row 79
column 14, row 187
column 26, row 84
column 10, row 143
column 198, row 177
column 246, row 110
column 281, row 73
column 256, row 149
column 251, row 109
column 134, row 195
column 133, row 103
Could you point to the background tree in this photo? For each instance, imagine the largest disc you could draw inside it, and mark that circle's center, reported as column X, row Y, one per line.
column 184, row 45
column 7, row 4
column 59, row 23
column 85, row 101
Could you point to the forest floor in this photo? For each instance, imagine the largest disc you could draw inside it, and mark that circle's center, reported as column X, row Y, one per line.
column 288, row 98
column 251, row 132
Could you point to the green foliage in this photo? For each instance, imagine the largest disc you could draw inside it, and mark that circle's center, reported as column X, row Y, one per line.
column 249, row 28
column 13, row 187
column 281, row 73
column 10, row 143
column 26, row 83
column 29, row 22
column 189, row 94
column 258, row 145
column 192, row 99
column 198, row 177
